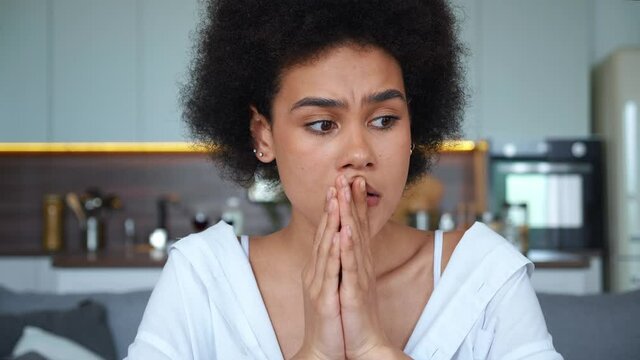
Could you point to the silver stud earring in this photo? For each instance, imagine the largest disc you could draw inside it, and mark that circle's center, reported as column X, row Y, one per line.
column 412, row 147
column 259, row 153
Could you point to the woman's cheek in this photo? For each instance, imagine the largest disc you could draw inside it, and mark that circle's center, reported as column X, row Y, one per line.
column 304, row 189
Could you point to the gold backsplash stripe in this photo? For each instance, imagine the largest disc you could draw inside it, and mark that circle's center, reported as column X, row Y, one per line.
column 167, row 147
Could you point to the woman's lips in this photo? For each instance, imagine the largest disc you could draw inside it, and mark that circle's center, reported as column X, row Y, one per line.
column 373, row 197
column 372, row 200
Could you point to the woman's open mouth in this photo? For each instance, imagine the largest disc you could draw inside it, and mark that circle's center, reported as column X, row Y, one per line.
column 373, row 197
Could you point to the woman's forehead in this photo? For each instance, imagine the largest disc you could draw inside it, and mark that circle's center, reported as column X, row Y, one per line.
column 346, row 73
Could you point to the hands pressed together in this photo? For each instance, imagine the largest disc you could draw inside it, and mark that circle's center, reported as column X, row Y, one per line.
column 340, row 304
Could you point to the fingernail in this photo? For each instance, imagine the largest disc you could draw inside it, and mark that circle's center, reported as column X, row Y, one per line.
column 347, row 194
column 348, row 230
column 330, row 193
column 328, row 199
column 362, row 184
column 343, row 181
column 332, row 205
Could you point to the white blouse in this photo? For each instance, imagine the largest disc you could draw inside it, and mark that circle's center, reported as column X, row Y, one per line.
column 207, row 305
column 437, row 253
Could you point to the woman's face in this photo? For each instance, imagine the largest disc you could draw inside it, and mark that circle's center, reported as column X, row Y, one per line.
column 343, row 113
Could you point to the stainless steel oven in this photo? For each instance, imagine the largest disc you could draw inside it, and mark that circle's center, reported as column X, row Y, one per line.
column 560, row 181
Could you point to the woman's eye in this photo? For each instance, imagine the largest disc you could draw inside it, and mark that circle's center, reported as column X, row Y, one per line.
column 384, row 122
column 321, row 126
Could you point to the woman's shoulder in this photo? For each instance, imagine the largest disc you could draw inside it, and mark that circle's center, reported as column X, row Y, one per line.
column 468, row 246
column 479, row 247
column 464, row 249
column 218, row 237
column 209, row 252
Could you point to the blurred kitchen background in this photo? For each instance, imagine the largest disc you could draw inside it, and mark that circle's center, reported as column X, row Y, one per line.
column 97, row 175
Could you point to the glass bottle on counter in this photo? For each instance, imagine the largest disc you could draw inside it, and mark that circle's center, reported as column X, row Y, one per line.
column 53, row 215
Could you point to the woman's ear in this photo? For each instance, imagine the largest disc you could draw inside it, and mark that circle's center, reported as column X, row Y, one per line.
column 262, row 136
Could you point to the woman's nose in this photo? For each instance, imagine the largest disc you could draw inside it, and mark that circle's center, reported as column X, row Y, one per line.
column 357, row 151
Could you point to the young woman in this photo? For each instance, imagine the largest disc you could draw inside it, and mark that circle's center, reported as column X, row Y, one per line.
column 343, row 103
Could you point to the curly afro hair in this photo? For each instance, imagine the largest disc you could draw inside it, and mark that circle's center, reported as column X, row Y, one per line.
column 244, row 45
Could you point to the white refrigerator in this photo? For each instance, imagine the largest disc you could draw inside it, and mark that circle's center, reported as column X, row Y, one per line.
column 616, row 94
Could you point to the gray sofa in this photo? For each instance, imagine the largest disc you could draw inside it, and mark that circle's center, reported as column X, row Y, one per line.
column 583, row 327
column 124, row 311
column 598, row 327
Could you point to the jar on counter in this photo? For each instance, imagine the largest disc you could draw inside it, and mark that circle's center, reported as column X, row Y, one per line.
column 53, row 217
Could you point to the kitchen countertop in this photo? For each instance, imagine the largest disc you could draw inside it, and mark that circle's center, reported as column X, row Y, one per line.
column 545, row 259
column 20, row 251
column 144, row 257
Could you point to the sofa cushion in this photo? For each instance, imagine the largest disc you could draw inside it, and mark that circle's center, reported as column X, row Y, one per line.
column 31, row 355
column 37, row 341
column 85, row 325
column 124, row 310
column 594, row 326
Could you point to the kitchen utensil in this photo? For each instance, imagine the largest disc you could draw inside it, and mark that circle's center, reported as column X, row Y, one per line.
column 74, row 203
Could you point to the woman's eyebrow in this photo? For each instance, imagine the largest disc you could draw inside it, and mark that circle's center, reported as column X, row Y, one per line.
column 384, row 96
column 376, row 97
column 318, row 101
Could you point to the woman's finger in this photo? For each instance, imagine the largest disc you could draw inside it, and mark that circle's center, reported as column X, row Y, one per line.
column 359, row 191
column 348, row 217
column 360, row 212
column 323, row 335
column 332, row 270
column 350, row 276
column 309, row 272
column 345, row 199
column 324, row 246
column 331, row 193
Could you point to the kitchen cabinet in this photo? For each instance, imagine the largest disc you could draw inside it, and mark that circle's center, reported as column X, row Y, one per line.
column 36, row 273
column 26, row 273
column 533, row 60
column 164, row 27
column 82, row 280
column 93, row 69
column 24, row 81
column 117, row 69
column 88, row 70
column 77, row 70
column 572, row 281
